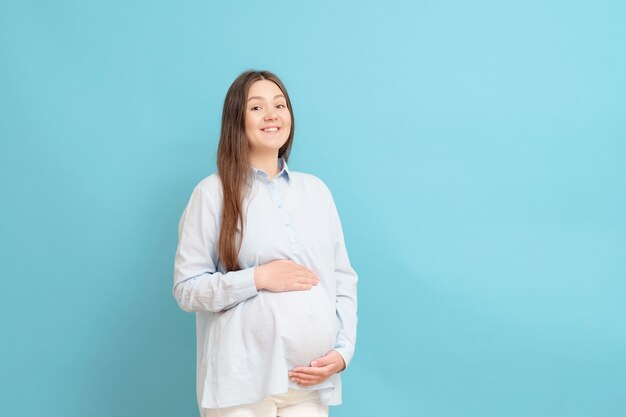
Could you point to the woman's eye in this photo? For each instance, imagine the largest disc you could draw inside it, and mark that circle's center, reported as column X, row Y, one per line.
column 280, row 106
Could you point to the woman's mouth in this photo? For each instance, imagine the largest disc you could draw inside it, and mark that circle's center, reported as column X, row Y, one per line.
column 271, row 130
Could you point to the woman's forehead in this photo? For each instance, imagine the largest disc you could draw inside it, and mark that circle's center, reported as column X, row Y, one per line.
column 264, row 89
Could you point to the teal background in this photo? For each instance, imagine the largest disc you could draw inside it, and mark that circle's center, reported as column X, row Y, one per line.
column 476, row 152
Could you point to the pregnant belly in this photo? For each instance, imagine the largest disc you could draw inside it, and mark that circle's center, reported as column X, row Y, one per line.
column 301, row 323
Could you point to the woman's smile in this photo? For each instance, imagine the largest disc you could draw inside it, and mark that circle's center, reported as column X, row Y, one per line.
column 271, row 130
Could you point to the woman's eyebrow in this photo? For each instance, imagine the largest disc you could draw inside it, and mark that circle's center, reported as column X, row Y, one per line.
column 276, row 96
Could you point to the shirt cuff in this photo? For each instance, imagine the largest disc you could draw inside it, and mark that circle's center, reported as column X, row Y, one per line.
column 346, row 353
column 243, row 286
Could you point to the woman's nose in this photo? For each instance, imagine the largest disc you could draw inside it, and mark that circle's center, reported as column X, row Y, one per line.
column 270, row 115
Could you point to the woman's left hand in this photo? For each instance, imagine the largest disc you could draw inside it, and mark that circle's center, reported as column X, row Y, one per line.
column 320, row 369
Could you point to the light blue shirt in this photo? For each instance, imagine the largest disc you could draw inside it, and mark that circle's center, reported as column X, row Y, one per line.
column 248, row 340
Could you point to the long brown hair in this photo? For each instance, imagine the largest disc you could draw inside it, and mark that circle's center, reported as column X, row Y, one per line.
column 232, row 161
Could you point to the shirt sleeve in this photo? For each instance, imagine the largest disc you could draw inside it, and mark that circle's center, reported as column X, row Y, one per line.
column 346, row 302
column 198, row 286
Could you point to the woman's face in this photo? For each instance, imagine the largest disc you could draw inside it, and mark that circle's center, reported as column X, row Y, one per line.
column 268, row 120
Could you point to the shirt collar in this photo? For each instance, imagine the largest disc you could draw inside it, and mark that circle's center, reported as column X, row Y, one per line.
column 282, row 166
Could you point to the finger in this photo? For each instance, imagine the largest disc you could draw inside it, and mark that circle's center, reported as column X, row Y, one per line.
column 310, row 281
column 331, row 358
column 305, row 377
column 307, row 278
column 306, row 271
column 309, row 371
column 308, row 383
column 315, row 372
column 319, row 362
column 310, row 275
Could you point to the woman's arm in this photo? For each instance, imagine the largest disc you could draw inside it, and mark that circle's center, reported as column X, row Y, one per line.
column 198, row 286
column 346, row 302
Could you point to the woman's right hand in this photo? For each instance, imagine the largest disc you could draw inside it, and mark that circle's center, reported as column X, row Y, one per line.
column 284, row 275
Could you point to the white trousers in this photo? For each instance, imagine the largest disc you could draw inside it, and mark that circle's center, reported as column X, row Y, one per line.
column 290, row 404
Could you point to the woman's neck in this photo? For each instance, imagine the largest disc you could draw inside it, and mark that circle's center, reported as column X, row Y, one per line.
column 267, row 163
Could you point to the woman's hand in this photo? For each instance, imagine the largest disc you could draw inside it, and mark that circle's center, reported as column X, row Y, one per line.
column 320, row 369
column 284, row 275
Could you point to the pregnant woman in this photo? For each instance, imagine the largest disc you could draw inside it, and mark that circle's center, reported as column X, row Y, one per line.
column 262, row 262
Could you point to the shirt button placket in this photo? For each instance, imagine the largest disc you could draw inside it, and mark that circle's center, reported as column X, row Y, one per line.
column 293, row 239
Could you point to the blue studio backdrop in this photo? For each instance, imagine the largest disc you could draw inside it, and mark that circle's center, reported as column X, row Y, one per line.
column 476, row 152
